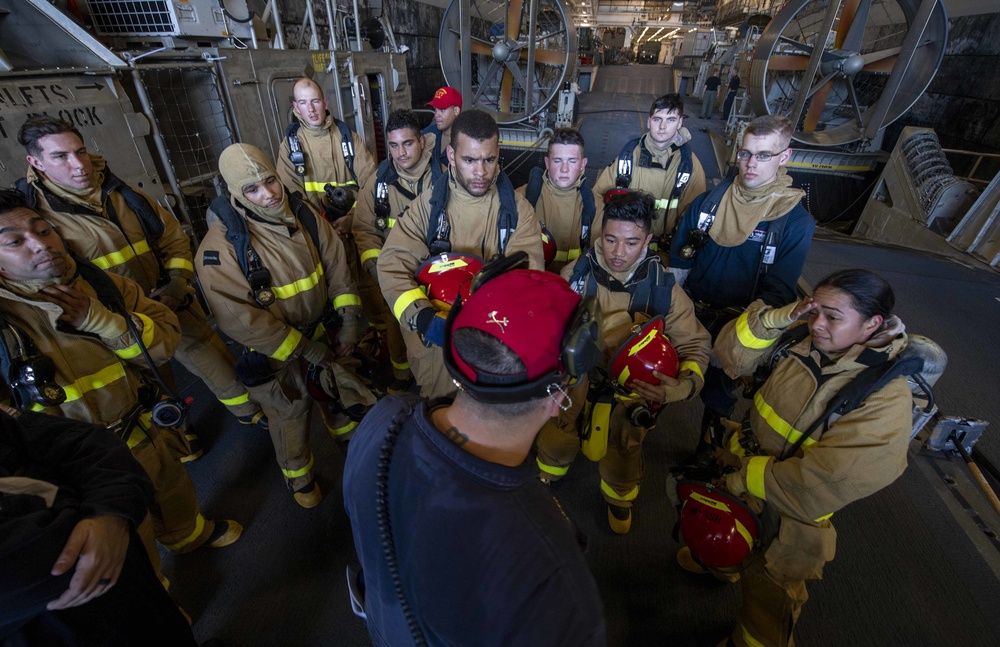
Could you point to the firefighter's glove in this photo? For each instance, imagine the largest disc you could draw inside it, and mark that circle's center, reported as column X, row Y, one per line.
column 779, row 318
column 102, row 322
column 348, row 327
column 318, row 353
column 683, row 390
column 430, row 325
column 735, row 483
column 176, row 288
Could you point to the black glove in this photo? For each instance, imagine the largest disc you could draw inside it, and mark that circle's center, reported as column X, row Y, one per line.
column 430, row 324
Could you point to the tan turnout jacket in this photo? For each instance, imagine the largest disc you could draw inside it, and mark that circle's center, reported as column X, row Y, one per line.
column 861, row 452
column 474, row 230
column 119, row 247
column 660, row 183
column 561, row 212
column 303, row 278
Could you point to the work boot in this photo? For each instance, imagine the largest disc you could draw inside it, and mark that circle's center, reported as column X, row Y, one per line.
column 258, row 418
column 399, row 385
column 687, row 561
column 619, row 518
column 309, row 496
column 226, row 532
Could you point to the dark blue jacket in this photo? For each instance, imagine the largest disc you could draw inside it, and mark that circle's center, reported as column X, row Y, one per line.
column 724, row 276
column 486, row 555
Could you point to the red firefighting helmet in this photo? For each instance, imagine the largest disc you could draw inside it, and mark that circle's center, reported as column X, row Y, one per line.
column 446, row 276
column 549, row 247
column 645, row 351
column 721, row 531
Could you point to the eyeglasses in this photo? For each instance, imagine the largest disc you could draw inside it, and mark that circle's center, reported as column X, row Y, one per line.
column 744, row 155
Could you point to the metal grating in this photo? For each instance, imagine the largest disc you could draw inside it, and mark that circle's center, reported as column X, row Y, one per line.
column 132, row 17
column 191, row 117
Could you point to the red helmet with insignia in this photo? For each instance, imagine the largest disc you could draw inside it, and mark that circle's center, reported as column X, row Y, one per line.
column 645, row 351
column 613, row 191
column 549, row 247
column 446, row 276
column 721, row 531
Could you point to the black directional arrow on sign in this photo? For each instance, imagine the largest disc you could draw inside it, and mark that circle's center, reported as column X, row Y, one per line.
column 94, row 86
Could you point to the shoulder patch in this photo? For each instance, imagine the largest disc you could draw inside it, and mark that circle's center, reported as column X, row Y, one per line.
column 210, row 258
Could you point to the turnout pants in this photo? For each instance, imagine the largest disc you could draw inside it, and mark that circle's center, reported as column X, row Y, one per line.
column 774, row 588
column 177, row 520
column 621, row 468
column 427, row 365
column 287, row 404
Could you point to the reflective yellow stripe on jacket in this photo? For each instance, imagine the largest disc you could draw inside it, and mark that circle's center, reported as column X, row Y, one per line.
column 297, row 287
column 746, row 337
column 787, row 431
column 693, row 367
column 404, row 301
column 179, row 264
column 369, row 254
column 123, row 255
column 148, row 329
column 89, row 383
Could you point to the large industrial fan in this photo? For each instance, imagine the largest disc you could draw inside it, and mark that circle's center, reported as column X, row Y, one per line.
column 842, row 70
column 518, row 57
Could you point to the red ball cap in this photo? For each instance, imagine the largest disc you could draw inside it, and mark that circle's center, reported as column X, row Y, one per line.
column 446, row 97
column 528, row 311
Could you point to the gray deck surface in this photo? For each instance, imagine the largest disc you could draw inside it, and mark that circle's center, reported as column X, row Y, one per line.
column 914, row 566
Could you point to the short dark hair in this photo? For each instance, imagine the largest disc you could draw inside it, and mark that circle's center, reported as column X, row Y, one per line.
column 476, row 124
column 11, row 199
column 635, row 207
column 42, row 126
column 766, row 124
column 870, row 294
column 566, row 137
column 399, row 119
column 484, row 352
column 668, row 102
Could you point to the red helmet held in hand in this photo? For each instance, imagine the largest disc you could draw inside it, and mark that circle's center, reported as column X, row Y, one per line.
column 446, row 276
column 645, row 351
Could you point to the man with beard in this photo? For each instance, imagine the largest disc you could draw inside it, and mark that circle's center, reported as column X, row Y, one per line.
column 746, row 239
column 471, row 209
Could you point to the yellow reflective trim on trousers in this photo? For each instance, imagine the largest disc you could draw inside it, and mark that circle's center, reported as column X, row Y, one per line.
column 148, row 330
column 369, row 254
column 746, row 337
column 401, row 366
column 294, row 474
column 614, row 495
column 693, row 367
column 287, row 346
column 404, row 301
column 755, row 476
column 790, row 433
column 238, row 400
column 179, row 264
column 750, row 640
column 345, row 300
column 340, row 431
column 551, row 469
column 302, row 285
column 123, row 255
column 199, row 527
column 823, row 518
